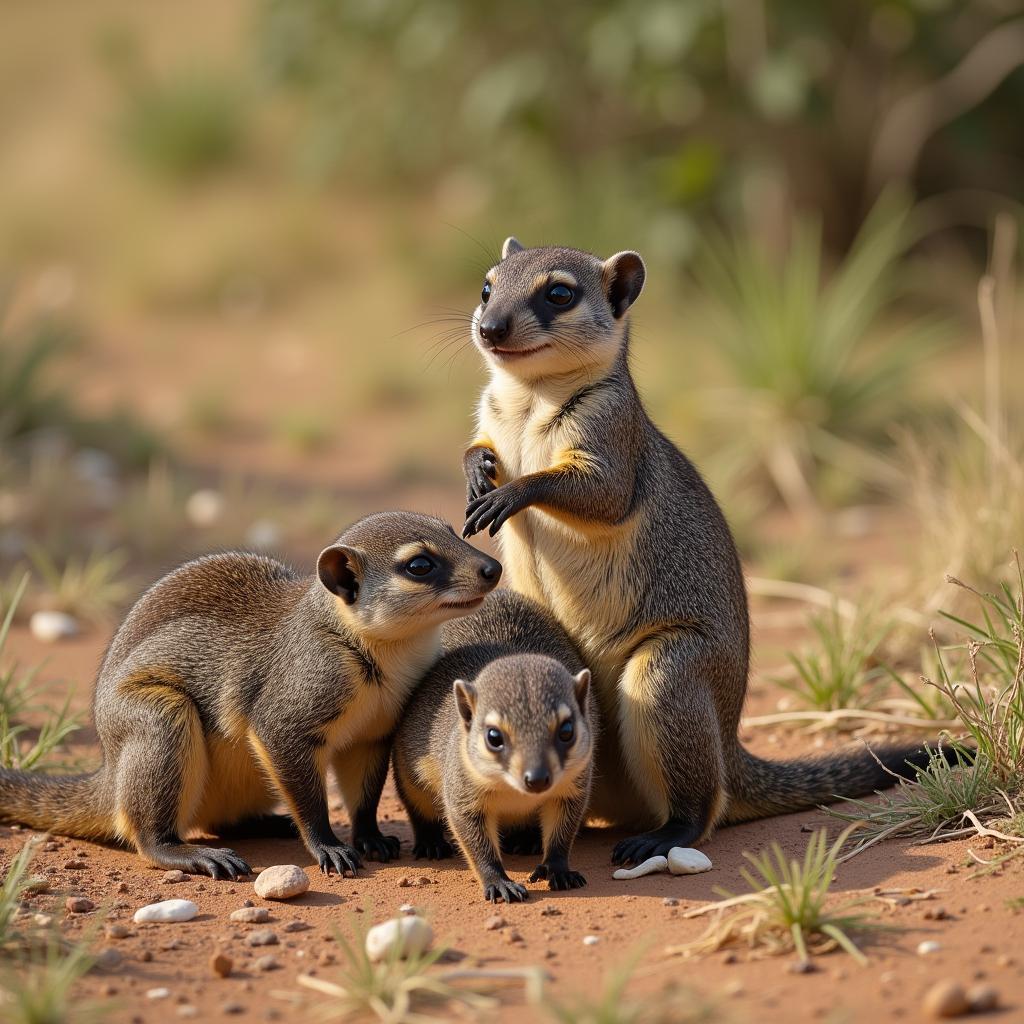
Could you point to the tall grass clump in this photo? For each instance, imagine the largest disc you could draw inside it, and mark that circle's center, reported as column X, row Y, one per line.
column 788, row 907
column 39, row 987
column 976, row 782
column 811, row 391
column 19, row 696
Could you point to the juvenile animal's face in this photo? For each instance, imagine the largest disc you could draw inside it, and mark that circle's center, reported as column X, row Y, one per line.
column 552, row 312
column 399, row 573
column 525, row 722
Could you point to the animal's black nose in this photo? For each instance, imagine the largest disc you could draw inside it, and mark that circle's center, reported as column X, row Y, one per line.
column 494, row 330
column 537, row 780
column 490, row 571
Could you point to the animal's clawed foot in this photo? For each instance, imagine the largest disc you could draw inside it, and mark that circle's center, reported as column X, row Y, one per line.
column 341, row 858
column 434, row 848
column 378, row 846
column 525, row 840
column 558, row 878
column 492, row 509
column 200, row 860
column 507, row 890
column 637, row 849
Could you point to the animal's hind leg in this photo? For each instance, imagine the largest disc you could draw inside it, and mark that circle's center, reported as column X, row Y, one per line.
column 161, row 772
column 671, row 742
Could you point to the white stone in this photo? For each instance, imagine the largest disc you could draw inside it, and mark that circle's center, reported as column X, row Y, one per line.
column 281, row 882
column 591, row 940
column 401, row 936
column 157, row 993
column 927, row 947
column 52, row 626
column 167, row 911
column 684, row 861
column 648, row 867
column 204, row 507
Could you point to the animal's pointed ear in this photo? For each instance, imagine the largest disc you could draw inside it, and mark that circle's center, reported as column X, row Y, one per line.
column 624, row 275
column 581, row 683
column 340, row 569
column 465, row 700
column 511, row 245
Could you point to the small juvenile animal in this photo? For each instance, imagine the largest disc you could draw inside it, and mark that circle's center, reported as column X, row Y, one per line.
column 613, row 529
column 498, row 739
column 234, row 681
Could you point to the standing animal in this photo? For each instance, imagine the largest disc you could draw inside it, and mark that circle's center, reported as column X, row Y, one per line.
column 235, row 681
column 497, row 740
column 605, row 522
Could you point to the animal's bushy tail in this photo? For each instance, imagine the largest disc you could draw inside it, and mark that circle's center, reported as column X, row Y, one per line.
column 71, row 805
column 762, row 788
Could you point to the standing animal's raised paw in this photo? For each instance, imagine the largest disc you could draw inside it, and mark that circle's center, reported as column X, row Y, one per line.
column 493, row 509
column 481, row 469
column 342, row 859
column 558, row 878
column 507, row 890
column 378, row 847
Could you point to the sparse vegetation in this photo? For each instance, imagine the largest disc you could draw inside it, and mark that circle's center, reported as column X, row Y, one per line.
column 18, row 696
column 396, row 991
column 810, row 389
column 787, row 909
column 982, row 679
column 90, row 587
column 39, row 988
column 15, row 884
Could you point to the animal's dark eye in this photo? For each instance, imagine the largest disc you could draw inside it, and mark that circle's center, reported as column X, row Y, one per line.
column 566, row 731
column 486, row 293
column 494, row 738
column 420, row 566
column 560, row 294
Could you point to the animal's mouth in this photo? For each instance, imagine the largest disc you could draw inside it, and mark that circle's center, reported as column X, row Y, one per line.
column 511, row 354
column 472, row 602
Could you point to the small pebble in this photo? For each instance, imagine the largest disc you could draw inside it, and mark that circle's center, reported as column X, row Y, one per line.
column 261, row 937
column 79, row 905
column 801, row 967
column 251, row 915
column 928, row 947
column 684, row 861
column 513, row 936
column 591, row 940
column 51, row 626
column 117, row 931
column 670, row 901
column 204, row 507
column 43, row 920
column 109, row 959
column 495, row 922
column 269, row 962
column 407, row 908
column 188, row 1011
column 232, row 1008
column 296, row 926
column 145, row 956
column 945, row 999
column 325, row 959
column 982, row 998
column 281, row 882
column 37, row 884
column 175, row 876
column 157, row 993
column 408, row 936
column 221, row 964
column 74, row 865
column 167, row 911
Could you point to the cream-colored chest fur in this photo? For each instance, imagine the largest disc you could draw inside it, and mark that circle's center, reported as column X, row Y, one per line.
column 375, row 706
column 578, row 570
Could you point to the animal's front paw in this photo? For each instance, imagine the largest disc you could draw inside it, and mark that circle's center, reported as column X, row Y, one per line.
column 493, row 510
column 435, row 848
column 637, row 849
column 505, row 889
column 376, row 846
column 558, row 877
column 481, row 468
column 341, row 858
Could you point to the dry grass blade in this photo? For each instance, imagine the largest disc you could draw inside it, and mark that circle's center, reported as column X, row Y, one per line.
column 786, row 910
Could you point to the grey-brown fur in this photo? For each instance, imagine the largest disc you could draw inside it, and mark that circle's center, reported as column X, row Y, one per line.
column 613, row 529
column 235, row 681
column 518, row 668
